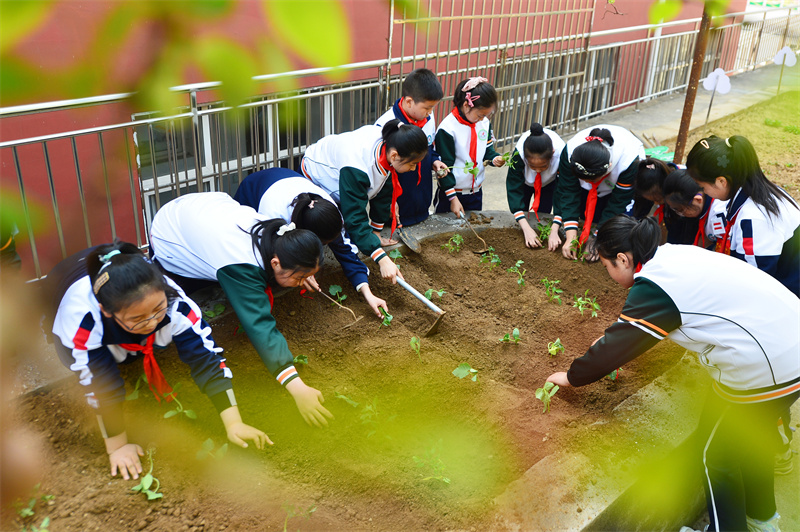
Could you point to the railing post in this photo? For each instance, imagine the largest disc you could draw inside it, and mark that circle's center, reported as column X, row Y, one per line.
column 196, row 141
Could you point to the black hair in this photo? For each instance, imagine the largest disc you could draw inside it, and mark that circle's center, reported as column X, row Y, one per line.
column 298, row 249
column 486, row 94
column 323, row 219
column 651, row 175
column 591, row 159
column 130, row 276
column 680, row 188
column 406, row 139
column 735, row 159
column 538, row 143
column 422, row 86
column 623, row 234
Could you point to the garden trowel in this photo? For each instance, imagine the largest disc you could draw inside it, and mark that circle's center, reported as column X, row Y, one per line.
column 408, row 239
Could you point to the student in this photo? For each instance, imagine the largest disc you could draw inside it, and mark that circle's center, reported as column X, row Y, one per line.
column 421, row 93
column 762, row 220
column 109, row 304
column 465, row 137
column 208, row 236
column 283, row 193
column 360, row 169
column 595, row 178
column 749, row 344
column 535, row 177
column 686, row 199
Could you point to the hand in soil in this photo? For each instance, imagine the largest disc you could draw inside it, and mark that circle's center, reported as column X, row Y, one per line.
column 554, row 240
column 591, row 254
column 239, row 432
column 374, row 302
column 126, row 460
column 311, row 284
column 559, row 378
column 568, row 250
column 531, row 238
column 309, row 402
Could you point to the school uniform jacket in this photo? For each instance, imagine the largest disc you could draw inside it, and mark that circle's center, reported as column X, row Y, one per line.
column 94, row 342
column 452, row 144
column 205, row 236
column 272, row 191
column 770, row 244
column 714, row 227
column 740, row 321
column 625, row 155
column 416, row 198
column 521, row 175
column 346, row 167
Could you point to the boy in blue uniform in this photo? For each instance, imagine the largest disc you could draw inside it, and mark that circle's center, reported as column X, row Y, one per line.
column 421, row 93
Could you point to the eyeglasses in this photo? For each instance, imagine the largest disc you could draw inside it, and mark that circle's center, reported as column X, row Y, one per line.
column 141, row 325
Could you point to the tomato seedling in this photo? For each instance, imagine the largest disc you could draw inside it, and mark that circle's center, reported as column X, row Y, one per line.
column 520, row 272
column 544, row 231
column 207, row 450
column 555, row 348
column 345, row 399
column 553, row 292
column 511, row 337
column 454, row 244
column 545, row 394
column 430, row 291
column 614, row 375
column 336, row 291
column 490, row 258
column 580, row 253
column 432, row 463
column 300, row 359
column 178, row 406
column 586, row 303
column 394, row 255
column 135, row 393
column 147, row 481
column 387, row 318
column 465, row 370
column 508, row 158
column 218, row 309
column 414, row 343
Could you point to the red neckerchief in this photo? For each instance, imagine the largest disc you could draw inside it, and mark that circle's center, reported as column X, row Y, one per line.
column 396, row 189
column 473, row 139
column 700, row 236
column 155, row 379
column 659, row 214
column 537, row 190
column 739, row 198
column 268, row 291
column 591, row 203
column 419, row 124
column 638, row 267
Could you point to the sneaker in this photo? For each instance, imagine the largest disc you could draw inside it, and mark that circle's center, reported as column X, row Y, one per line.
column 771, row 525
column 783, row 463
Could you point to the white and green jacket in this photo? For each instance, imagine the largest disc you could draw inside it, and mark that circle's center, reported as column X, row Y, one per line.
column 741, row 322
column 520, row 174
column 452, row 145
column 205, row 236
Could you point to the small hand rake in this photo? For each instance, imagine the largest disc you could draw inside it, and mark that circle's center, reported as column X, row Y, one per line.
column 356, row 319
column 485, row 246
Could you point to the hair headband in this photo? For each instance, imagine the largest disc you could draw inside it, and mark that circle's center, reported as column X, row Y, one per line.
column 590, row 138
column 586, row 172
column 286, row 228
column 467, row 88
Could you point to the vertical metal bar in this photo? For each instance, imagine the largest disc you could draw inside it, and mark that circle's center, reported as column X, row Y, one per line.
column 226, row 149
column 81, row 193
column 108, row 188
column 215, row 125
column 54, row 200
column 172, row 158
column 414, row 43
column 276, row 140
column 290, row 132
column 183, row 150
column 239, row 133
column 388, row 72
column 133, row 188
column 34, row 252
column 196, row 140
column 153, row 165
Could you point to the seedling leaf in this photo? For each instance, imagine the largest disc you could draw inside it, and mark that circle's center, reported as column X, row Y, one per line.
column 300, row 359
column 190, row 414
column 345, row 399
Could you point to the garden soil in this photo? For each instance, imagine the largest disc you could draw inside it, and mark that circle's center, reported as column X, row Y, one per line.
column 412, row 447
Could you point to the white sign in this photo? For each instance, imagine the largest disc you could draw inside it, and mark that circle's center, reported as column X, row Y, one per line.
column 718, row 81
column 785, row 57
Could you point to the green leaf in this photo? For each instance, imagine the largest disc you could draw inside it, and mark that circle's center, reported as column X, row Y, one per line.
column 147, row 481
column 301, row 359
column 208, row 445
column 132, row 396
column 316, row 31
column 515, row 333
column 209, row 314
column 190, row 414
column 334, row 289
column 152, row 496
column 219, row 308
column 222, row 451
column 429, row 293
column 345, row 399
column 463, row 370
column 170, row 414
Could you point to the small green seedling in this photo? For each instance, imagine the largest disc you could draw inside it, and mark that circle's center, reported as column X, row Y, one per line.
column 135, row 393
column 207, row 450
column 508, row 158
column 511, row 337
column 345, row 399
column 336, row 291
column 300, row 359
column 218, row 309
column 544, row 231
column 369, row 416
column 471, row 168
column 490, row 258
column 465, row 370
column 430, row 291
column 432, row 462
column 414, row 343
column 291, row 511
column 178, row 406
column 520, row 272
column 27, row 511
column 614, row 375
column 545, row 394
column 586, row 303
column 454, row 244
column 552, row 290
column 147, row 481
column 580, row 253
column 395, row 254
column 43, row 527
column 555, row 348
column 387, row 318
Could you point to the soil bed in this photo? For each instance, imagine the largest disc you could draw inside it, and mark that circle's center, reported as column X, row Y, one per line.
column 361, row 472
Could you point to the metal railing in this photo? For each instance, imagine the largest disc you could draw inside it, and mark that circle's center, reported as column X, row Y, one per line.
column 109, row 180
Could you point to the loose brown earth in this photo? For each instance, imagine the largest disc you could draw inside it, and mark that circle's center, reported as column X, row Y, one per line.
column 360, row 473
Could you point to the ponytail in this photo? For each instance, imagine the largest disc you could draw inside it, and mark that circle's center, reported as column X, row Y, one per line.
column 121, row 275
column 591, row 159
column 407, row 140
column 623, row 234
column 318, row 215
column 538, row 143
column 296, row 249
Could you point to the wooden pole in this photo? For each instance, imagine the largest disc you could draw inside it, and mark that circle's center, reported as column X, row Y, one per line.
column 691, row 91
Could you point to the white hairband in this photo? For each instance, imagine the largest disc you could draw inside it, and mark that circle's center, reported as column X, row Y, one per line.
column 286, row 228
